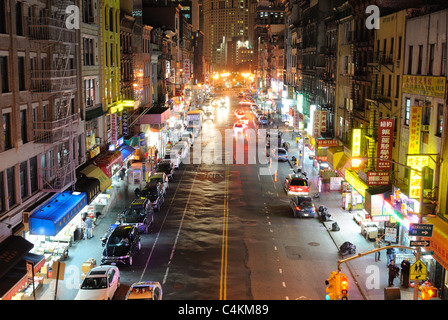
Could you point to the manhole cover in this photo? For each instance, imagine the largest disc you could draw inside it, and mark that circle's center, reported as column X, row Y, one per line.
column 314, row 244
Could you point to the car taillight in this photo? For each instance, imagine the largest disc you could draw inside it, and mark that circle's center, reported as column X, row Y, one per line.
column 297, row 208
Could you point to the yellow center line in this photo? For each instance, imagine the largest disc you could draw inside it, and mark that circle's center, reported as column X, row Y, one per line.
column 223, row 278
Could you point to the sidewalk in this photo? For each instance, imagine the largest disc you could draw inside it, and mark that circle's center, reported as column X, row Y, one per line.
column 367, row 277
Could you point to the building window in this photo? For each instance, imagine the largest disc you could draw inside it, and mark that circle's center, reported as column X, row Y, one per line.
column 443, row 62
column 431, row 59
column 411, row 49
column 4, row 73
column 23, row 126
column 21, row 66
column 439, row 120
column 33, row 175
column 23, row 175
column 7, row 131
column 2, row 193
column 19, row 21
column 2, row 21
column 88, row 52
column 10, row 184
column 407, row 112
column 420, row 58
column 89, row 86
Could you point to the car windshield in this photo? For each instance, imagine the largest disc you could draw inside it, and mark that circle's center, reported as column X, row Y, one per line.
column 299, row 182
column 94, row 283
column 118, row 241
column 163, row 167
column 282, row 151
column 155, row 179
column 306, row 204
column 136, row 211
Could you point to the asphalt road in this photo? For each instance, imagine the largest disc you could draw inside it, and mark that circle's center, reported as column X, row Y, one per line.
column 226, row 231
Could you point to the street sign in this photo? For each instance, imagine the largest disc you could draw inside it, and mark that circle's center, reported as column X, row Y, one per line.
column 423, row 243
column 420, row 230
column 418, row 271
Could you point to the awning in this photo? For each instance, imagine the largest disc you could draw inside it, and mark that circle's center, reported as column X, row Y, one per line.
column 94, row 172
column 55, row 214
column 345, row 162
column 91, row 186
column 126, row 151
column 110, row 163
column 12, row 250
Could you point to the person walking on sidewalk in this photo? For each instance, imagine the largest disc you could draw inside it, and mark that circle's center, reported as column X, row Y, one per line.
column 89, row 227
column 377, row 253
column 390, row 252
column 393, row 272
column 405, row 268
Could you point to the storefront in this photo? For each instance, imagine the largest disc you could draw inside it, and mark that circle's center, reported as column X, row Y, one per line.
column 353, row 192
column 19, row 269
column 110, row 163
column 321, row 147
column 154, row 125
column 52, row 226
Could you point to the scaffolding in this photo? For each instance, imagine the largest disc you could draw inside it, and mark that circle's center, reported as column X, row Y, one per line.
column 55, row 81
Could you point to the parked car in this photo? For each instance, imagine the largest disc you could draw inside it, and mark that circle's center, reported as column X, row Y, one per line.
column 279, row 154
column 182, row 147
column 263, row 120
column 121, row 245
column 188, row 135
column 100, row 283
column 369, row 230
column 296, row 185
column 160, row 177
column 174, row 158
column 302, row 207
column 154, row 193
column 145, row 290
column 140, row 214
column 166, row 167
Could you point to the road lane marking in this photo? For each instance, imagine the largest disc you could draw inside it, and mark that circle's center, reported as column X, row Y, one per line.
column 225, row 230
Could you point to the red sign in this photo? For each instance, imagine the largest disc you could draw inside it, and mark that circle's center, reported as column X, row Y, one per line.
column 385, row 143
column 327, row 143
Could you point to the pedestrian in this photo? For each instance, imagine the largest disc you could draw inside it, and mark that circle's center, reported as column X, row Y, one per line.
column 390, row 252
column 393, row 272
column 405, row 268
column 377, row 253
column 89, row 227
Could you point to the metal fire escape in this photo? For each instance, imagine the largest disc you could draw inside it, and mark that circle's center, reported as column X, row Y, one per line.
column 55, row 81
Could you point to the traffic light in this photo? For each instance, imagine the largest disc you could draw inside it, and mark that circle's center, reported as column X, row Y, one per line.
column 428, row 292
column 343, row 285
column 332, row 287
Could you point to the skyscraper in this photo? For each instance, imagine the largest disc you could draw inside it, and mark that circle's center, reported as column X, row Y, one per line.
column 223, row 20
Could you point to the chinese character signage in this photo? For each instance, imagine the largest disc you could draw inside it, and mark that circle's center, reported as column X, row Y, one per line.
column 316, row 124
column 425, row 86
column 356, row 146
column 415, row 124
column 415, row 185
column 377, row 178
column 187, row 68
column 417, row 161
column 323, row 121
column 113, row 128
column 385, row 143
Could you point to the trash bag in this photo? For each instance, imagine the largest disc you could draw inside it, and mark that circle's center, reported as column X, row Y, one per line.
column 347, row 248
column 335, row 226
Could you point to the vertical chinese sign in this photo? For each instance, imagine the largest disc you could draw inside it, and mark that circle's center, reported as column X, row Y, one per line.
column 385, row 143
column 415, row 123
column 414, row 130
column 356, row 145
column 113, row 128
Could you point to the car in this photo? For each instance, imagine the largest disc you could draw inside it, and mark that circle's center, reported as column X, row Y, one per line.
column 188, row 135
column 174, row 157
column 239, row 127
column 303, row 207
column 279, row 154
column 167, row 167
column 154, row 193
column 121, row 245
column 239, row 114
column 296, row 185
column 160, row 177
column 100, row 283
column 140, row 214
column 244, row 120
column 187, row 140
column 182, row 148
column 145, row 290
column 209, row 116
column 369, row 230
column 263, row 120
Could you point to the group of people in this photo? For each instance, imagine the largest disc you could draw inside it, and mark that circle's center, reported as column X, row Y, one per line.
column 394, row 270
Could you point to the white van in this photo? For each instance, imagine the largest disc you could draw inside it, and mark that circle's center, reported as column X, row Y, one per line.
column 190, row 135
column 183, row 147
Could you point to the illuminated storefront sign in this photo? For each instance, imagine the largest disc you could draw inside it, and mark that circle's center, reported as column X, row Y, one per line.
column 414, row 130
column 415, row 184
column 385, row 143
column 426, row 86
column 417, row 161
column 352, row 178
column 356, row 149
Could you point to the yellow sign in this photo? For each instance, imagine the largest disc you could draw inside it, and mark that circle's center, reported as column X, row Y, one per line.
column 415, row 124
column 417, row 162
column 415, row 185
column 418, row 271
column 352, row 178
column 356, row 148
column 425, row 86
